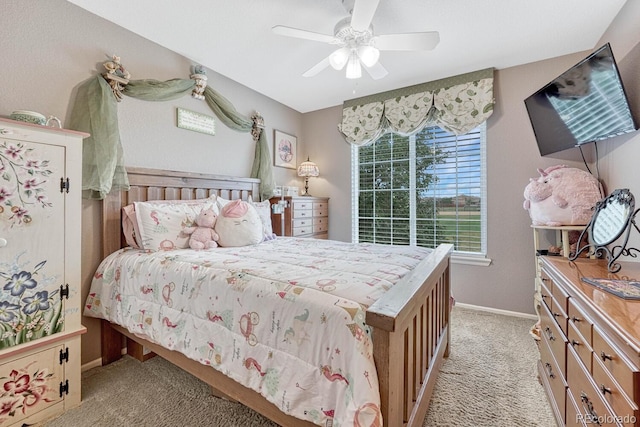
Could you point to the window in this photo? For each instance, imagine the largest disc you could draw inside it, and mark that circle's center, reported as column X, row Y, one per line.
column 424, row 190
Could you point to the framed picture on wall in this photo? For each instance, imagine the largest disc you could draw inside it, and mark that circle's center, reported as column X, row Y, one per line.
column 285, row 150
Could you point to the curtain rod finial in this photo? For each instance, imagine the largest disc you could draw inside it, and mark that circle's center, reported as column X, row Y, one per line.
column 258, row 125
column 116, row 75
column 200, row 76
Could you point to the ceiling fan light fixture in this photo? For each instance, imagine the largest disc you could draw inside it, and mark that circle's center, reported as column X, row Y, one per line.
column 338, row 59
column 354, row 70
column 369, row 55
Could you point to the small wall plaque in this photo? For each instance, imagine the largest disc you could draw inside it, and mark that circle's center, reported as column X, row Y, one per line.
column 198, row 122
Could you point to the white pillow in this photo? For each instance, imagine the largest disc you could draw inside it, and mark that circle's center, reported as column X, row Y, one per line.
column 239, row 225
column 264, row 211
column 161, row 224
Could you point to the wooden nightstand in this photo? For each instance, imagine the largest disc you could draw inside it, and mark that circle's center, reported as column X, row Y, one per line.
column 304, row 216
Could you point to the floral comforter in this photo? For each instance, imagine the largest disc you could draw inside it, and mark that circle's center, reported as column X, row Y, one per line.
column 285, row 318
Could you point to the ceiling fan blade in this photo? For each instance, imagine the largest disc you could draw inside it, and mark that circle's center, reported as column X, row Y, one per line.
column 407, row 41
column 317, row 68
column 303, row 34
column 363, row 11
column 376, row 71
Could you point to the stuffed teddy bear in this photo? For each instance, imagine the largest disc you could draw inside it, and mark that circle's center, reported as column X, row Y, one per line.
column 562, row 196
column 203, row 236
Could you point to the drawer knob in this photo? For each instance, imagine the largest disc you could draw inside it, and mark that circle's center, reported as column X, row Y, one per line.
column 547, row 365
column 549, row 334
column 556, row 315
column 576, row 319
column 588, row 405
column 604, row 356
column 604, row 389
column 575, row 343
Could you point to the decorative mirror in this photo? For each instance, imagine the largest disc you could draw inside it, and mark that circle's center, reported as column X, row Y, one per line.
column 612, row 218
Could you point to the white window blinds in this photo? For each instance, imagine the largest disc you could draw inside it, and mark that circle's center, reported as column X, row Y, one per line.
column 424, row 189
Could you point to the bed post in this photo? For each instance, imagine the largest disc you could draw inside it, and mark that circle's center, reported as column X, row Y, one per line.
column 411, row 334
column 111, row 341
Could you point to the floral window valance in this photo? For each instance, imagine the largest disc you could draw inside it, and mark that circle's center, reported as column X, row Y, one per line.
column 95, row 112
column 457, row 104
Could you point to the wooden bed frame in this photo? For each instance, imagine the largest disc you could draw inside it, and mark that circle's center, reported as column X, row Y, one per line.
column 410, row 323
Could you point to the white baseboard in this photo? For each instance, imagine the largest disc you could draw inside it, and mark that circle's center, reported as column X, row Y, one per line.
column 97, row 362
column 91, row 365
column 497, row 311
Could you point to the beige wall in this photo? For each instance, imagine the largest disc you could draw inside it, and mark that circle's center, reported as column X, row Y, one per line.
column 512, row 158
column 48, row 48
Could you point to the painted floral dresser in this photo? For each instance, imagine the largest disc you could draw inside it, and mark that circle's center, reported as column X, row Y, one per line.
column 40, row 224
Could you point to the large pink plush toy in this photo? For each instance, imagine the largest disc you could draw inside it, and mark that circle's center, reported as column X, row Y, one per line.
column 203, row 236
column 562, row 196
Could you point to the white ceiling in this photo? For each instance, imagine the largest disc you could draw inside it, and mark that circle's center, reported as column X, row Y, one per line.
column 234, row 38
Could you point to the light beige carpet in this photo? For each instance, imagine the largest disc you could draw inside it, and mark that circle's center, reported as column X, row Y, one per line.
column 489, row 379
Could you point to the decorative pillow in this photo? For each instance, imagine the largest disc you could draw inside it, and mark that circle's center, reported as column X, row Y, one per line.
column 264, row 211
column 130, row 227
column 221, row 202
column 161, row 224
column 239, row 225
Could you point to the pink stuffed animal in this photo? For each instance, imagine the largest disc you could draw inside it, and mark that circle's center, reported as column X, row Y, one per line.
column 203, row 236
column 562, row 196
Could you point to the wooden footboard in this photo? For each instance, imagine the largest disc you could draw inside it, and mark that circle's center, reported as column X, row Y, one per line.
column 410, row 323
column 411, row 337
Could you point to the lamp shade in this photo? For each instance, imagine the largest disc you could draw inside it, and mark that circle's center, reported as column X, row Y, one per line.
column 308, row 168
column 369, row 55
column 338, row 59
column 354, row 70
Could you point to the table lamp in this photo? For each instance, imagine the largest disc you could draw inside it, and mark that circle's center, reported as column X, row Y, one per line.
column 307, row 169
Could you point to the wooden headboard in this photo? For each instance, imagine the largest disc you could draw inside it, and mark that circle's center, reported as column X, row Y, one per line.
column 158, row 184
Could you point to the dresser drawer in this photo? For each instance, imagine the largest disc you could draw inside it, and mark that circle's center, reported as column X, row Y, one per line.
column 580, row 345
column 561, row 297
column 617, row 366
column 555, row 338
column 302, row 222
column 553, row 377
column 574, row 417
column 302, row 213
column 617, row 398
column 559, row 307
column 319, row 228
column 322, row 206
column 302, row 205
column 560, row 316
column 320, row 212
column 323, row 220
column 580, row 322
column 302, row 231
column 591, row 406
column 545, row 291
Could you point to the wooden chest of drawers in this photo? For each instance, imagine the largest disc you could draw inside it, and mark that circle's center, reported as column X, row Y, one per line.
column 590, row 345
column 304, row 216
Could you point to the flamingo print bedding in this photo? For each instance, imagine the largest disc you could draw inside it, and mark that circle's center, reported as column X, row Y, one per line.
column 285, row 318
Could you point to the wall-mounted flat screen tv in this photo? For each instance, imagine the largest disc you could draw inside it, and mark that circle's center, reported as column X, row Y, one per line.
column 584, row 104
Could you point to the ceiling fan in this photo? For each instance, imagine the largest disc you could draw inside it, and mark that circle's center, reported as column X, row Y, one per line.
column 357, row 45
